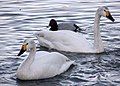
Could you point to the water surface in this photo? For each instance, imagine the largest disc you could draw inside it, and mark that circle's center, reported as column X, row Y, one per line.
column 19, row 19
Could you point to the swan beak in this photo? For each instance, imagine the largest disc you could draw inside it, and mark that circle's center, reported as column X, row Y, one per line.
column 23, row 49
column 109, row 16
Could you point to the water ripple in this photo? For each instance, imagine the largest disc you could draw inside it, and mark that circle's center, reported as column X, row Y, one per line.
column 19, row 19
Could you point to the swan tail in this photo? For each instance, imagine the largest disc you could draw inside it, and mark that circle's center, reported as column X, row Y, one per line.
column 65, row 66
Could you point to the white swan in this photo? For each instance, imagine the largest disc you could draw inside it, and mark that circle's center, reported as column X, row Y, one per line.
column 42, row 64
column 63, row 26
column 66, row 40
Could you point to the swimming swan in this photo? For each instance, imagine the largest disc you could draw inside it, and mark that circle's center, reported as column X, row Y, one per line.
column 42, row 64
column 70, row 41
column 63, row 26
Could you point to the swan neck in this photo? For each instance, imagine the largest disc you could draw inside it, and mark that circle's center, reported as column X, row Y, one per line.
column 30, row 58
column 97, row 37
column 24, row 71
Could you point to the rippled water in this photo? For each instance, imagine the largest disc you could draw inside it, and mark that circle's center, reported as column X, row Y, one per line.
column 19, row 19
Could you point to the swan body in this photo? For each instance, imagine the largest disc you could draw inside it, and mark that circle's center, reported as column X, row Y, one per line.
column 42, row 64
column 63, row 26
column 66, row 40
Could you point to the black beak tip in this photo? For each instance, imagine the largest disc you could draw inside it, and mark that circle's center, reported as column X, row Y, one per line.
column 21, row 52
column 18, row 54
column 110, row 18
column 113, row 20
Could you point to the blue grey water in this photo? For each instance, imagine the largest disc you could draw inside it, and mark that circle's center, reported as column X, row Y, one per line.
column 19, row 19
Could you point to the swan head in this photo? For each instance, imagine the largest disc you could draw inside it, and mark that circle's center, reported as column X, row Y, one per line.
column 27, row 45
column 53, row 24
column 104, row 11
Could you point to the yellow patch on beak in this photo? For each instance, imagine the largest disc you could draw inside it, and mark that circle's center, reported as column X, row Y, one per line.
column 24, row 47
column 107, row 13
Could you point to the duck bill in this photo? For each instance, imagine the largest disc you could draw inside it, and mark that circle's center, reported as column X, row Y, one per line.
column 23, row 49
column 109, row 16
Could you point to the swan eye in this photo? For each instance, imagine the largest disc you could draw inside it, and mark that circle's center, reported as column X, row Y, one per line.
column 27, row 44
column 106, row 13
column 105, row 10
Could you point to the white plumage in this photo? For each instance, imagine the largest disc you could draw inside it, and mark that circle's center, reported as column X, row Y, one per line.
column 41, row 64
column 66, row 40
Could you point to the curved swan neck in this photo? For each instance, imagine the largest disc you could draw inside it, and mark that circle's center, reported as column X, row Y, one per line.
column 30, row 58
column 98, row 45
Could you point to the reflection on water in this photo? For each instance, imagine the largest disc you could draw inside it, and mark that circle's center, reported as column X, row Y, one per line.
column 19, row 19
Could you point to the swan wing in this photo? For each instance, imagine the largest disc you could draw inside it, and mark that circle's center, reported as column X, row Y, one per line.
column 64, row 40
column 50, row 65
column 40, row 54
